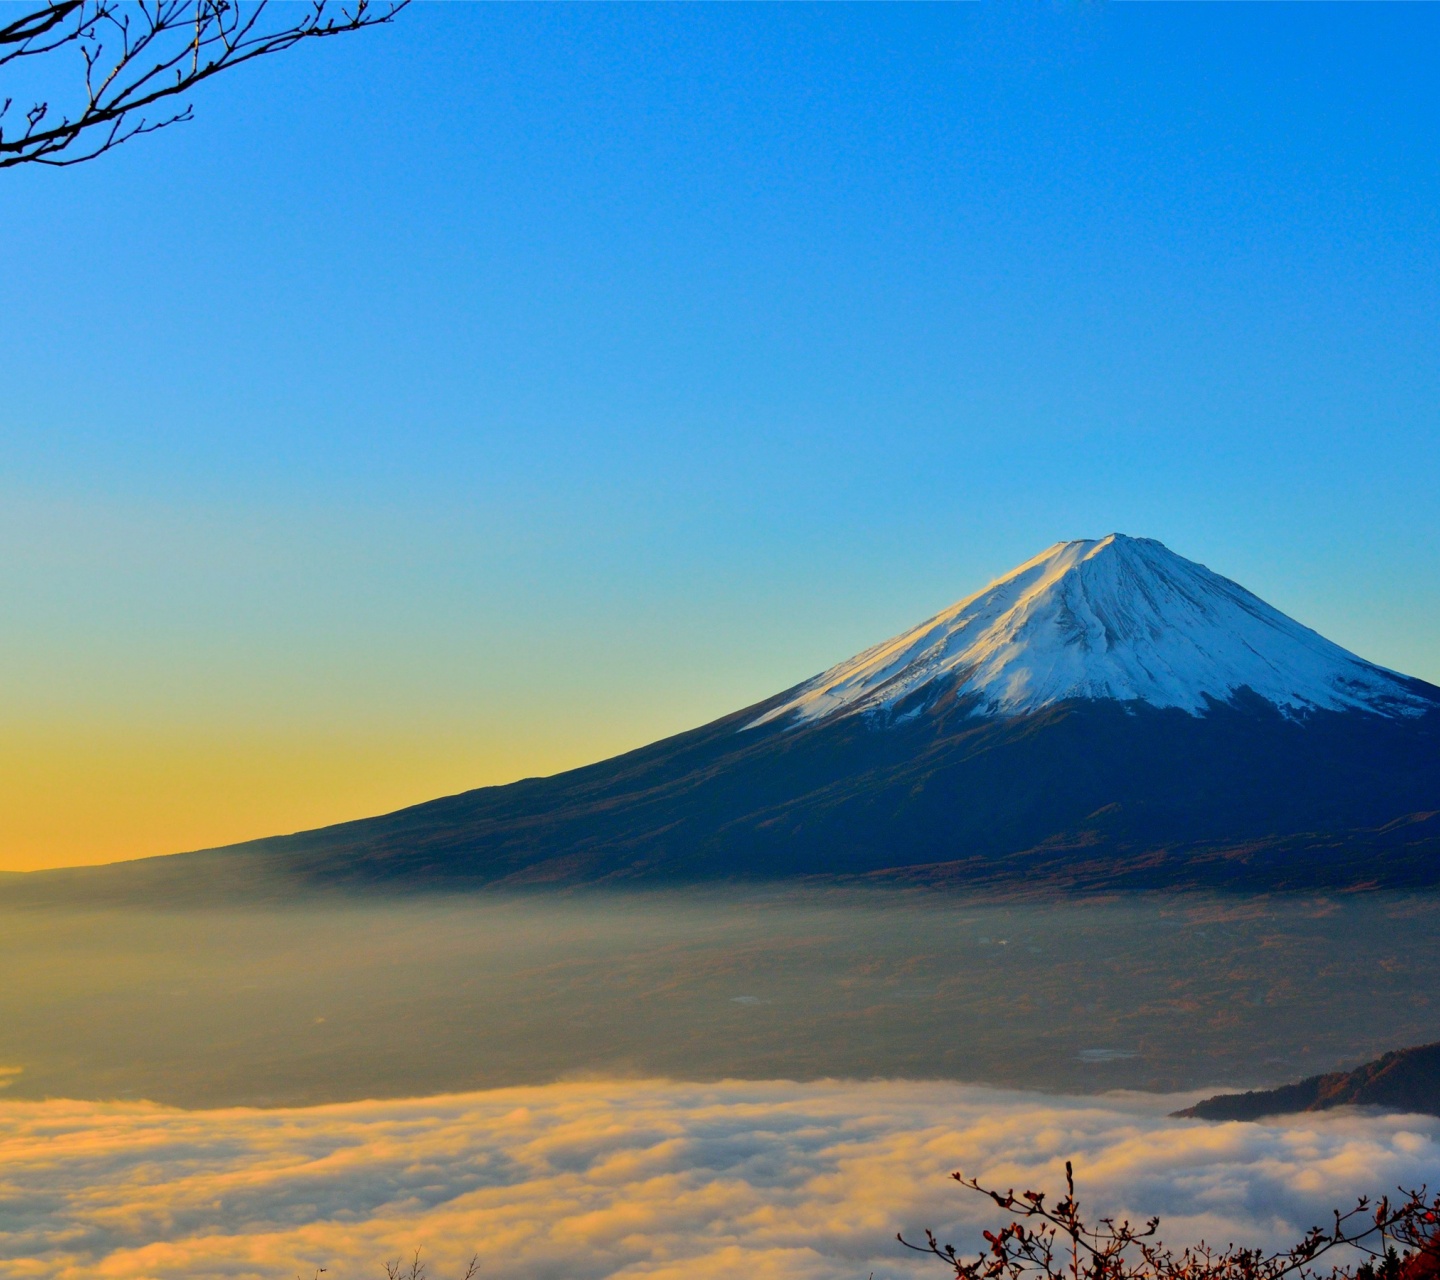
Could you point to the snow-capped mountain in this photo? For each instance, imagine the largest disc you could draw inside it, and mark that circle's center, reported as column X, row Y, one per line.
column 1109, row 714
column 1118, row 618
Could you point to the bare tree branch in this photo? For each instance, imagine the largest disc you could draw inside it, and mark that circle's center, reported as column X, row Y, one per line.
column 1045, row 1242
column 137, row 57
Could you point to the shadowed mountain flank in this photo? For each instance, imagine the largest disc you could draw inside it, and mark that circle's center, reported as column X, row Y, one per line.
column 1405, row 1080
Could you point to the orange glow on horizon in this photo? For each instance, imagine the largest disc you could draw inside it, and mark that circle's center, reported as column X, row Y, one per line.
column 80, row 796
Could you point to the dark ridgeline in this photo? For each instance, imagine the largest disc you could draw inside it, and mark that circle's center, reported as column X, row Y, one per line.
column 1405, row 1080
column 925, row 775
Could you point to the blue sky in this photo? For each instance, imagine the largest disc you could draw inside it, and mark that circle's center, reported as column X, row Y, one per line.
column 492, row 392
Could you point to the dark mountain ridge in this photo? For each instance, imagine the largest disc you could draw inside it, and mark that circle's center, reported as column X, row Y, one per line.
column 1403, row 1080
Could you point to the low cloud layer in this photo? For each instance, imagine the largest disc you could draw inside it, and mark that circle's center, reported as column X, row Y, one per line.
column 642, row 1178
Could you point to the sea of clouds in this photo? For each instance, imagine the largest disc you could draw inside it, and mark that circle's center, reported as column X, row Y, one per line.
column 645, row 1178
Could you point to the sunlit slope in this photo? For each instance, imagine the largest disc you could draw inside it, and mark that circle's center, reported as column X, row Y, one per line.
column 1109, row 713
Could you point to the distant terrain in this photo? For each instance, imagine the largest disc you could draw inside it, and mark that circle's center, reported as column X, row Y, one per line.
column 254, row 1005
column 1108, row 715
column 1405, row 1080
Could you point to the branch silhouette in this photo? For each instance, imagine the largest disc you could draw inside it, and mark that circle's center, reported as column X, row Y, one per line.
column 134, row 60
column 1384, row 1240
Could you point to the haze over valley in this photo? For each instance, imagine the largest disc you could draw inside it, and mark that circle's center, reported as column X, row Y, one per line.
column 318, row 1004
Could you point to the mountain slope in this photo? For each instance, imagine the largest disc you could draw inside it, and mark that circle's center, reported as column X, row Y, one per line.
column 1403, row 1080
column 1077, row 723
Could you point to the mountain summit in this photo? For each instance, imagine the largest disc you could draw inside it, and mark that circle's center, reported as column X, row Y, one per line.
column 1109, row 715
column 1118, row 618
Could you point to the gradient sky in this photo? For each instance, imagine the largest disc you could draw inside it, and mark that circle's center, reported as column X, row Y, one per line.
column 491, row 393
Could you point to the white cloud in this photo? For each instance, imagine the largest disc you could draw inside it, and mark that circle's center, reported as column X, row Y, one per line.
column 642, row 1179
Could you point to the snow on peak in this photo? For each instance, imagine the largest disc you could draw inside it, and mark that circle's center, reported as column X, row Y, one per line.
column 1115, row 618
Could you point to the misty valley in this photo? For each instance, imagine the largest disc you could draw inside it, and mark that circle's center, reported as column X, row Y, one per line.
column 344, row 999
